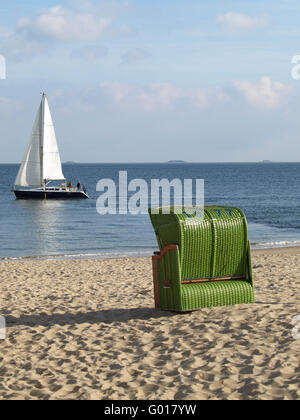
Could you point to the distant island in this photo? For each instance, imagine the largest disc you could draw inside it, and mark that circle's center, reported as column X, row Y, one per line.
column 266, row 161
column 176, row 161
column 70, row 163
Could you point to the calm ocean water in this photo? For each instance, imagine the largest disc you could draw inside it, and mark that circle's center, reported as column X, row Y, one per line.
column 269, row 193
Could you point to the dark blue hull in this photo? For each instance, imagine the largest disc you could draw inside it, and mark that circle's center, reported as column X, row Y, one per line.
column 49, row 195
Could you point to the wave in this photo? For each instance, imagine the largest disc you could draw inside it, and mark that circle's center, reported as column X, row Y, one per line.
column 100, row 255
column 275, row 244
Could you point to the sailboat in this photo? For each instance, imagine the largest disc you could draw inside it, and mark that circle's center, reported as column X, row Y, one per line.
column 42, row 164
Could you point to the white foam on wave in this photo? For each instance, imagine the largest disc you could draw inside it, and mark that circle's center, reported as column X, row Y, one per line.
column 275, row 244
column 101, row 255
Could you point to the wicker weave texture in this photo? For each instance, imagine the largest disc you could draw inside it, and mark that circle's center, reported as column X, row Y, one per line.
column 207, row 248
column 205, row 295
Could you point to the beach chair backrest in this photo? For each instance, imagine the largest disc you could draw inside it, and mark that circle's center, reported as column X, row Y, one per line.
column 212, row 243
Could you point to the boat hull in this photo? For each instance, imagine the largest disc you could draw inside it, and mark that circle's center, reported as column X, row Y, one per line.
column 49, row 195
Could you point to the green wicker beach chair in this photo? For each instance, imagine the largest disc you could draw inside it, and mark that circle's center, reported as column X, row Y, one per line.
column 203, row 261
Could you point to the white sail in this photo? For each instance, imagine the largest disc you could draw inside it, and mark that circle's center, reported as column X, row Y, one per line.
column 52, row 169
column 29, row 174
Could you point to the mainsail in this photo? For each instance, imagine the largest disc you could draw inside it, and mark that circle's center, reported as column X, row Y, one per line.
column 42, row 160
column 52, row 170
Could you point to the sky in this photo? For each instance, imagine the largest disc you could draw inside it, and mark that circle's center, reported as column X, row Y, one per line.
column 152, row 81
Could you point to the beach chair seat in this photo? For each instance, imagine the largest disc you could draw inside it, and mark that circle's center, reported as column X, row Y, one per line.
column 194, row 296
column 204, row 259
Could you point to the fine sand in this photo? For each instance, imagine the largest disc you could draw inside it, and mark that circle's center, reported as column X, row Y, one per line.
column 86, row 329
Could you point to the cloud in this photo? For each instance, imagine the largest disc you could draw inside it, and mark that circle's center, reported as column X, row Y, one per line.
column 162, row 95
column 239, row 22
column 90, row 52
column 62, row 24
column 264, row 94
column 135, row 54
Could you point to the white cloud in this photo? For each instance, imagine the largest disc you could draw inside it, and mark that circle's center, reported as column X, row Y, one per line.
column 135, row 54
column 62, row 24
column 264, row 94
column 239, row 22
column 162, row 95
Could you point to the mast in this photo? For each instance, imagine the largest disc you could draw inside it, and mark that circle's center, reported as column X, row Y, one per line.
column 42, row 139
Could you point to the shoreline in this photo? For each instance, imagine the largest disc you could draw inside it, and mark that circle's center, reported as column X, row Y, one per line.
column 117, row 255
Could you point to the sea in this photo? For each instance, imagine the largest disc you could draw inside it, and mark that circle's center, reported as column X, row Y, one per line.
column 269, row 194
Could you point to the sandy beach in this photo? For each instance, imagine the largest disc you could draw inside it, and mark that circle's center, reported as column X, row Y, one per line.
column 87, row 329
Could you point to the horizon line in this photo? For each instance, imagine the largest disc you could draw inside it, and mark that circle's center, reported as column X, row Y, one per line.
column 160, row 162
